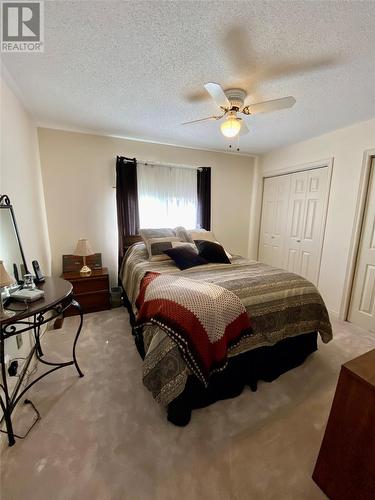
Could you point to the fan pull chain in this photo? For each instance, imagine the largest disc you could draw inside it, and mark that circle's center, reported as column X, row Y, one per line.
column 238, row 144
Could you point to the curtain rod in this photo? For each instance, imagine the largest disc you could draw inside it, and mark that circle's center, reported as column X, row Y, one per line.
column 162, row 164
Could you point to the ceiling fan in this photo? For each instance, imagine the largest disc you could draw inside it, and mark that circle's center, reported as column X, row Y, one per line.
column 232, row 103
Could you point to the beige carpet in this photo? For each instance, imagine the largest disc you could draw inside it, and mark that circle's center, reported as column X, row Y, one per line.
column 103, row 437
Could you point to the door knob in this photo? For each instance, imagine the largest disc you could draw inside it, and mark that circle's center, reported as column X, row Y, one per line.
column 298, row 241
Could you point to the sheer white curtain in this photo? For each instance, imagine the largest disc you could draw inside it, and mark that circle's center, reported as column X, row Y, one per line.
column 167, row 196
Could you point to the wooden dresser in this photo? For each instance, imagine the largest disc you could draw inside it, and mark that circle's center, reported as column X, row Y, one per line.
column 92, row 292
column 345, row 469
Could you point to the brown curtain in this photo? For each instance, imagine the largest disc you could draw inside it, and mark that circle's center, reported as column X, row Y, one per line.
column 127, row 201
column 204, row 198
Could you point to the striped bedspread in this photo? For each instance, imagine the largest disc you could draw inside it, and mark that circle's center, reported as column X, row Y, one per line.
column 280, row 304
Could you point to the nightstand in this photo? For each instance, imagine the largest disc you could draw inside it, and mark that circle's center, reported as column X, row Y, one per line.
column 92, row 292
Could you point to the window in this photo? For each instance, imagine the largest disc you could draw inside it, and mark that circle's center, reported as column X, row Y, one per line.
column 167, row 196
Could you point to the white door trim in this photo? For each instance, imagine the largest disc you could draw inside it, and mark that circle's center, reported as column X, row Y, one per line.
column 368, row 157
column 325, row 163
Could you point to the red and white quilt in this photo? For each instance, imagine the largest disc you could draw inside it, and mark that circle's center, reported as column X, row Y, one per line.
column 205, row 320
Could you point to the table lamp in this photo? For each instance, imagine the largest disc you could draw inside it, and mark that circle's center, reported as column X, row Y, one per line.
column 5, row 280
column 84, row 249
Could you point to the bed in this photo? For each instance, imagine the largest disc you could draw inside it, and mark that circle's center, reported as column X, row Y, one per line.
column 287, row 314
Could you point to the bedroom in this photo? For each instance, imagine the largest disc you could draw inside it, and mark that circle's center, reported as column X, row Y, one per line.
column 115, row 81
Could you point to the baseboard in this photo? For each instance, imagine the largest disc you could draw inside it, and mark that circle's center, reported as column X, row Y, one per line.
column 333, row 314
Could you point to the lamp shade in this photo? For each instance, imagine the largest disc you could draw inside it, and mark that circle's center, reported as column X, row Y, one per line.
column 83, row 248
column 231, row 127
column 5, row 279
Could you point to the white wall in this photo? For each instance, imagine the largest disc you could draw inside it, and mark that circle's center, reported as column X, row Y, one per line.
column 21, row 179
column 78, row 175
column 347, row 147
column 79, row 172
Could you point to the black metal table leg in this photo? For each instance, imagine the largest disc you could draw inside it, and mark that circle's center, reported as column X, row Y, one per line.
column 8, row 421
column 36, row 330
column 59, row 295
column 79, row 308
column 6, row 406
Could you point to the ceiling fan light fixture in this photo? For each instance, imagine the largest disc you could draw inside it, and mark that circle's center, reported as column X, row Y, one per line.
column 231, row 127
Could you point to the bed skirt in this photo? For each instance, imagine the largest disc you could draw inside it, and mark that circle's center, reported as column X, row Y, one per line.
column 263, row 363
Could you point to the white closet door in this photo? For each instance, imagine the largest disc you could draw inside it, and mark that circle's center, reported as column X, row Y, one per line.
column 295, row 217
column 306, row 222
column 362, row 308
column 314, row 223
column 273, row 225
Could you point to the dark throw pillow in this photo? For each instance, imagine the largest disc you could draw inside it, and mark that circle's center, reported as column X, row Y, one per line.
column 185, row 257
column 213, row 252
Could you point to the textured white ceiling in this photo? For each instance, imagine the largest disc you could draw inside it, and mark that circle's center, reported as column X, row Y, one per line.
column 136, row 69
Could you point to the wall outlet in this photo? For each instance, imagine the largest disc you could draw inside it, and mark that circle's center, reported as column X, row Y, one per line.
column 13, row 368
column 19, row 341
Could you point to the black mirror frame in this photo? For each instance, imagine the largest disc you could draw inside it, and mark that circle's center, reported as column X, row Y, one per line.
column 5, row 204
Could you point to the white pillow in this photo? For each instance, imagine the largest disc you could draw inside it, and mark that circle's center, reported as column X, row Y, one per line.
column 176, row 244
column 156, row 247
column 202, row 234
column 163, row 232
column 183, row 234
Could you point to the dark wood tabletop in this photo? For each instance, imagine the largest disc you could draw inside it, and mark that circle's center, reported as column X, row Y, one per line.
column 363, row 368
column 55, row 290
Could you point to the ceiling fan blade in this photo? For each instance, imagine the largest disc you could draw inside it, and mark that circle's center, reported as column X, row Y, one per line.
column 203, row 120
column 217, row 93
column 244, row 128
column 267, row 106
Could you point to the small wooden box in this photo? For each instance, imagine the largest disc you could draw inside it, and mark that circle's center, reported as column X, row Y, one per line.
column 92, row 292
column 73, row 263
